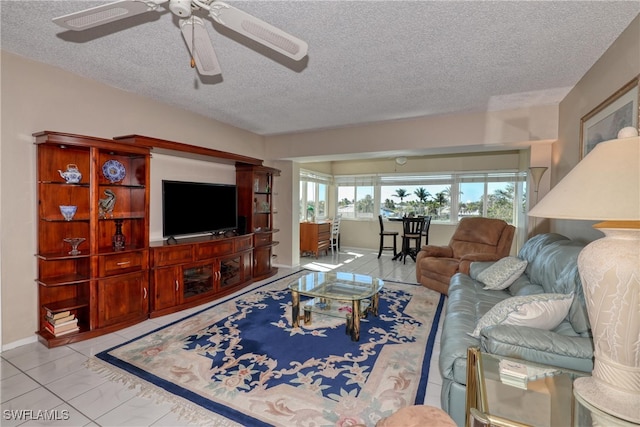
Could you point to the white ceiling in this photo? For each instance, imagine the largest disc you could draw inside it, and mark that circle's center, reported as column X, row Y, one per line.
column 368, row 61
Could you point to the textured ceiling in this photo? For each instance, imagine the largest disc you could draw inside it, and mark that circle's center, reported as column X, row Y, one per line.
column 368, row 61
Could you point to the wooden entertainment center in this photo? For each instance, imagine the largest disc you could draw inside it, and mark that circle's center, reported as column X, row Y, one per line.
column 106, row 284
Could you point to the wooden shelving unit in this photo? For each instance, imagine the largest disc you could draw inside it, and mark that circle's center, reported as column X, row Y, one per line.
column 104, row 289
column 108, row 288
column 255, row 204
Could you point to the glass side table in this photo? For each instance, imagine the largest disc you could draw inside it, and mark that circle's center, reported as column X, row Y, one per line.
column 509, row 392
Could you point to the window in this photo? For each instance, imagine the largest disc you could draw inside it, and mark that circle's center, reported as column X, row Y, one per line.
column 314, row 195
column 492, row 195
column 356, row 197
column 402, row 195
column 445, row 197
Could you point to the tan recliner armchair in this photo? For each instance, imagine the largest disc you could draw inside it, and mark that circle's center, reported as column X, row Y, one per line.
column 475, row 239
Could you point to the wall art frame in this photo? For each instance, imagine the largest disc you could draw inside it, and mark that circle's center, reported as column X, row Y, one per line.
column 617, row 111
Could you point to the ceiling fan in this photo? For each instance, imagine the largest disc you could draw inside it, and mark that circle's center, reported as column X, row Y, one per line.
column 193, row 29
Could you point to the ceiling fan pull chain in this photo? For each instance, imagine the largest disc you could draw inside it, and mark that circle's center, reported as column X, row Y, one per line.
column 193, row 43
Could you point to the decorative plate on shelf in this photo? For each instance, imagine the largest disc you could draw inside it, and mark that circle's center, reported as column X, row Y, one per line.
column 113, row 170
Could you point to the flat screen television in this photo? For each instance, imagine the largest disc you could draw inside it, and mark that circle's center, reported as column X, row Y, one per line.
column 198, row 208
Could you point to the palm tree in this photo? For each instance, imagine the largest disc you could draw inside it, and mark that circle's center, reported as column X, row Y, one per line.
column 401, row 193
column 423, row 195
column 441, row 200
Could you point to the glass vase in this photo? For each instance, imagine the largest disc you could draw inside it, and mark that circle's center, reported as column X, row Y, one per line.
column 118, row 238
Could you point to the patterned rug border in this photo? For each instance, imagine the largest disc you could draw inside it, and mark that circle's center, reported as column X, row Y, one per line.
column 196, row 409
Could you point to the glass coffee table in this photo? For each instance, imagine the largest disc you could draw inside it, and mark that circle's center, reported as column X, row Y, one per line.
column 337, row 294
column 507, row 392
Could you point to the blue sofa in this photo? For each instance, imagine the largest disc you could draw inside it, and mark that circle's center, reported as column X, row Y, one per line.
column 552, row 268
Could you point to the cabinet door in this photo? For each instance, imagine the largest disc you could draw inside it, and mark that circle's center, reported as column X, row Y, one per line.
column 166, row 287
column 262, row 262
column 197, row 281
column 123, row 299
column 235, row 269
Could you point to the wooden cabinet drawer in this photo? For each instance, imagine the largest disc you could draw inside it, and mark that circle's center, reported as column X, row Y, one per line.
column 110, row 265
column 213, row 249
column 262, row 239
column 172, row 255
column 324, row 228
column 242, row 243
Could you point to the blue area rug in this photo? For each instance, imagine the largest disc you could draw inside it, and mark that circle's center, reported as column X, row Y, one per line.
column 242, row 360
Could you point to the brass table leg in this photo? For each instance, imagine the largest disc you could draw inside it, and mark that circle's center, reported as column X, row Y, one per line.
column 473, row 353
column 374, row 304
column 295, row 309
column 355, row 319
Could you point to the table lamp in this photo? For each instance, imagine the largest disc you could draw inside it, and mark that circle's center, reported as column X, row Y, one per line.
column 605, row 186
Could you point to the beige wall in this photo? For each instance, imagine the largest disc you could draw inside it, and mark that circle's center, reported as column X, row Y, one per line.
column 496, row 130
column 443, row 163
column 38, row 97
column 619, row 65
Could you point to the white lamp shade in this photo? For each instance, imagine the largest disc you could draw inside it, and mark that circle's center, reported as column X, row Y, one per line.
column 605, row 185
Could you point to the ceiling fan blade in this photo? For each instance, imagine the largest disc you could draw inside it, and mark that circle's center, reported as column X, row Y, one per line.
column 258, row 30
column 99, row 15
column 195, row 33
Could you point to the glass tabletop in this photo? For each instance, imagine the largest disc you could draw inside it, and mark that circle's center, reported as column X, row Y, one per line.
column 337, row 285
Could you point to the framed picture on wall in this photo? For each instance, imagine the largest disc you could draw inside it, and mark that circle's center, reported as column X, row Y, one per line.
column 616, row 112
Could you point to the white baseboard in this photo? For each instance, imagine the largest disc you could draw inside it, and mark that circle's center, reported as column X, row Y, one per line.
column 19, row 343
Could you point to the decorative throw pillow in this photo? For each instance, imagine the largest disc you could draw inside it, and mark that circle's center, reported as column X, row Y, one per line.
column 502, row 273
column 542, row 311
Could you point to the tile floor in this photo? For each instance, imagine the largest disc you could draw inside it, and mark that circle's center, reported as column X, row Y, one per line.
column 56, row 382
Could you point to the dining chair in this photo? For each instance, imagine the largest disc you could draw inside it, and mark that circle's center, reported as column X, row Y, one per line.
column 335, row 234
column 425, row 228
column 383, row 235
column 411, row 236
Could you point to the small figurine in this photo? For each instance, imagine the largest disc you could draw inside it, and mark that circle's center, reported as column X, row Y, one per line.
column 105, row 206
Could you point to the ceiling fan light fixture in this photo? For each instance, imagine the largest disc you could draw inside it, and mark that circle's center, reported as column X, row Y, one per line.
column 401, row 160
column 258, row 30
column 181, row 8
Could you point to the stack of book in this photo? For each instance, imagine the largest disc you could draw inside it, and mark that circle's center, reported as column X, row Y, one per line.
column 61, row 323
column 519, row 374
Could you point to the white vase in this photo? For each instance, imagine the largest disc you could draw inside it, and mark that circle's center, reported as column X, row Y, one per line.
column 610, row 273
